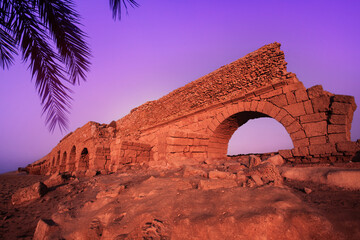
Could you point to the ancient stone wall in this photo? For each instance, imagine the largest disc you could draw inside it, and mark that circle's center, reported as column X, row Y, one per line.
column 197, row 121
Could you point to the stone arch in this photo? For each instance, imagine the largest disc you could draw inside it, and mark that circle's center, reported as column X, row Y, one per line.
column 58, row 159
column 232, row 116
column 84, row 160
column 63, row 162
column 72, row 159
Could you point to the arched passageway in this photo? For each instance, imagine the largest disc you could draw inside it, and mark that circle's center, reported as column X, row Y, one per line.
column 63, row 162
column 84, row 160
column 261, row 135
column 219, row 141
column 72, row 158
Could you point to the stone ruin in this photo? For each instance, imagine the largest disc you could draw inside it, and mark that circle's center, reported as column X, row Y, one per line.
column 197, row 121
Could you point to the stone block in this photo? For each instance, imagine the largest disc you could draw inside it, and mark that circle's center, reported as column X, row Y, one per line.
column 286, row 153
column 321, row 104
column 260, row 106
column 287, row 120
column 282, row 113
column 301, row 142
column 277, row 160
column 30, row 193
column 315, row 117
column 300, row 151
column 46, row 229
column 199, row 155
column 268, row 107
column 308, row 107
column 290, row 97
column 190, row 171
column 293, row 127
column 315, row 129
column 271, row 94
column 341, row 108
column 344, row 99
column 298, row 135
column 247, row 106
column 293, row 87
column 296, row 109
column 301, row 95
column 315, row 91
column 346, row 146
column 257, row 179
column 336, row 128
column 254, row 105
column 198, row 148
column 318, row 140
column 338, row 119
column 279, row 100
column 179, row 141
column 338, row 137
column 322, row 149
column 221, row 175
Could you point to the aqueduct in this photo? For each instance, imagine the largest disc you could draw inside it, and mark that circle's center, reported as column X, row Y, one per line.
column 197, row 121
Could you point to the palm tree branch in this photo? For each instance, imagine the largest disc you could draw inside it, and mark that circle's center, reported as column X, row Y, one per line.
column 45, row 65
column 61, row 20
column 117, row 5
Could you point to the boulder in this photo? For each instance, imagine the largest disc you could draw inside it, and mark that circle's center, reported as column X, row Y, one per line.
column 254, row 161
column 277, row 160
column 30, row 193
column 257, row 179
column 268, row 173
column 46, row 229
column 221, row 175
column 194, row 172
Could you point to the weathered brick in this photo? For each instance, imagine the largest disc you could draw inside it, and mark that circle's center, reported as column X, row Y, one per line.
column 293, row 87
column 315, row 117
column 315, row 91
column 338, row 137
column 301, row 95
column 254, row 105
column 198, row 148
column 336, row 128
column 268, row 107
column 315, row 129
column 346, row 146
column 290, row 97
column 322, row 149
column 294, row 127
column 285, row 154
column 301, row 142
column 287, row 120
column 338, row 119
column 300, row 151
column 271, row 94
column 260, row 106
column 321, row 104
column 298, row 135
column 341, row 108
column 343, row 99
column 296, row 109
column 308, row 107
column 318, row 140
column 279, row 100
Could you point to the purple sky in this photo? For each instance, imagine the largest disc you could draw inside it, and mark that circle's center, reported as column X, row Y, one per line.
column 165, row 44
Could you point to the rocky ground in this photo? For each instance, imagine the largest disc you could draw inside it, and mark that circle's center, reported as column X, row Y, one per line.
column 230, row 199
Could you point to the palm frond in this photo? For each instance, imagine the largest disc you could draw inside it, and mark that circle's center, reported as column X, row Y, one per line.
column 61, row 20
column 7, row 48
column 45, row 65
column 117, row 6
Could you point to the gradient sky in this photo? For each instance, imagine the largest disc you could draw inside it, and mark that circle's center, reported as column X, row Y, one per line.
column 165, row 44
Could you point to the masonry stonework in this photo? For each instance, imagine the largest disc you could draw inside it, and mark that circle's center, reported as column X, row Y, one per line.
column 197, row 121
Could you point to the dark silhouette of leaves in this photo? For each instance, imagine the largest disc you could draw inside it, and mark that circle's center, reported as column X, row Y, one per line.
column 117, row 6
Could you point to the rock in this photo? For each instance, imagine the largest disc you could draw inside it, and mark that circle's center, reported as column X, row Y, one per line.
column 241, row 177
column 235, row 168
column 254, row 161
column 277, row 160
column 221, row 175
column 268, row 173
column 257, row 179
column 46, row 229
column 30, row 193
column 91, row 173
column 307, row 190
column 194, row 172
column 54, row 180
column 217, row 183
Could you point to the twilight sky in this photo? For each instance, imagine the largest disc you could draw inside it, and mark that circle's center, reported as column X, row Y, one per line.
column 165, row 44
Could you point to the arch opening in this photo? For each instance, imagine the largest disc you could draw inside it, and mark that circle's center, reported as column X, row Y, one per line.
column 84, row 160
column 257, row 136
column 72, row 158
column 219, row 141
column 63, row 162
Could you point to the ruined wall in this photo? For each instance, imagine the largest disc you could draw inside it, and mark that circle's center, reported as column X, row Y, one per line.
column 197, row 121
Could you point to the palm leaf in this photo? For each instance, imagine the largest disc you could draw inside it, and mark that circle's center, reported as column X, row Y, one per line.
column 117, row 6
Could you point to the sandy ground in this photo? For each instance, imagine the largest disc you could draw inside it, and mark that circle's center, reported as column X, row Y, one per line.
column 185, row 210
